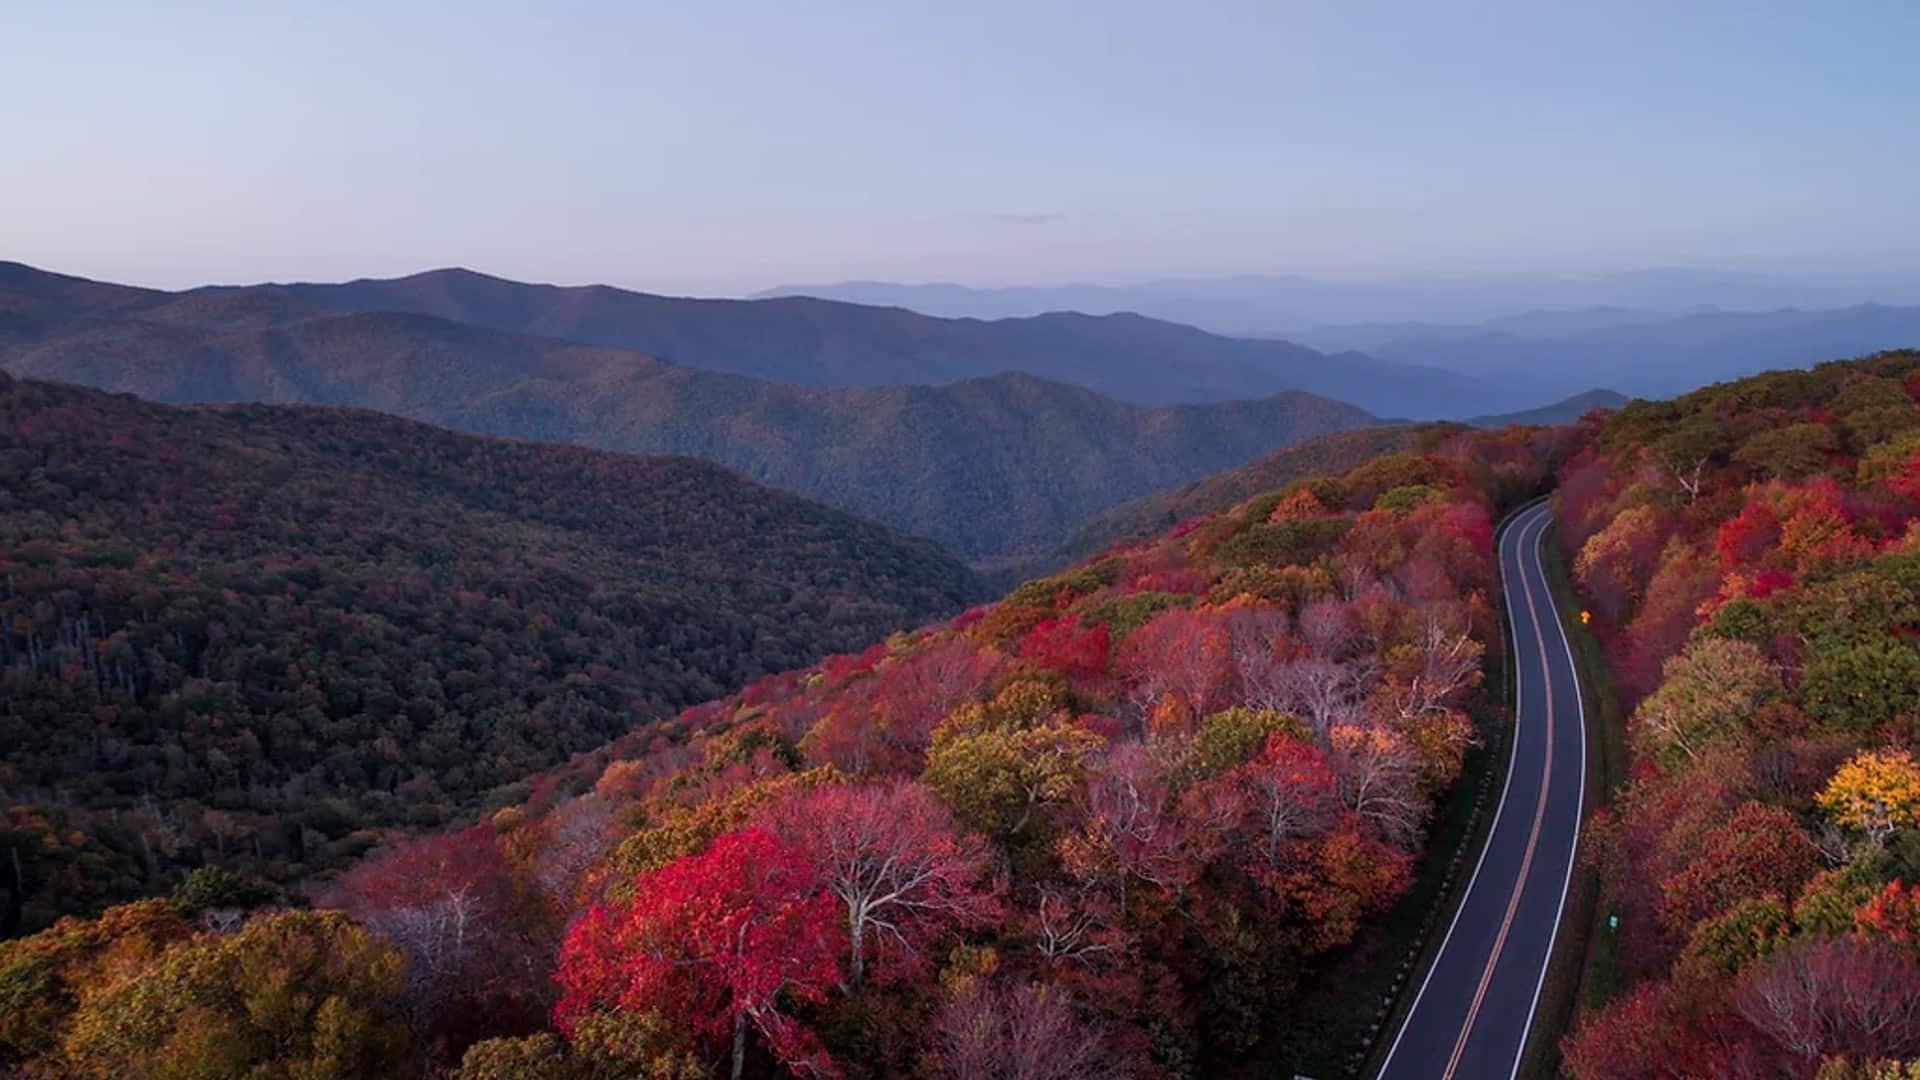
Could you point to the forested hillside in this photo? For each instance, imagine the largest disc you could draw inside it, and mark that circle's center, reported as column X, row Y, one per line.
column 1107, row 826
column 1751, row 556
column 250, row 635
column 993, row 467
column 1319, row 456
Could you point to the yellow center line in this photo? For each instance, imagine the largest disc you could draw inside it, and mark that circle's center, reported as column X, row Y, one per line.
column 1533, row 838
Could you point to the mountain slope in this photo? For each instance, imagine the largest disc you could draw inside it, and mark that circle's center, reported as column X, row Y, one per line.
column 991, row 467
column 272, row 627
column 1749, row 555
column 1164, row 509
column 824, row 342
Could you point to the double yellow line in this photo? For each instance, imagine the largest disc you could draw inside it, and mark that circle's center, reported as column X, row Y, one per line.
column 1519, row 527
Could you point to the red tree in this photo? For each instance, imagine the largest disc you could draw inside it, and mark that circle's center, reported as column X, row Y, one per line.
column 1184, row 657
column 1291, row 794
column 1759, row 850
column 1849, row 997
column 467, row 922
column 1060, row 645
column 712, row 941
column 894, row 857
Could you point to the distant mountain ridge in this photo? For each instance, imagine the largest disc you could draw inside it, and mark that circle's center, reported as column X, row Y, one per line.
column 1267, row 304
column 1564, row 411
column 833, row 343
column 991, row 467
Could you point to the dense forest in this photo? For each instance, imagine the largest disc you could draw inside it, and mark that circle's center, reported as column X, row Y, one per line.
column 254, row 636
column 1106, row 826
column 1751, row 556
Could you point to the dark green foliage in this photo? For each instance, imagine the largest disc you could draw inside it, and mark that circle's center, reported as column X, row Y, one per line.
column 1860, row 687
column 256, row 632
column 211, row 887
column 1790, row 452
column 1125, row 614
column 1284, row 542
column 1740, row 619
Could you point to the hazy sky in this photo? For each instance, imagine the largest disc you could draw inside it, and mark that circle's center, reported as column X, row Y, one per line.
column 711, row 146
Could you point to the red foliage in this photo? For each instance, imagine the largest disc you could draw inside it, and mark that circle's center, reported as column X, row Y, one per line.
column 1744, row 538
column 1291, row 795
column 1061, row 645
column 896, row 860
column 1894, row 913
column 1650, row 1034
column 1857, row 998
column 1352, row 876
column 1183, row 655
column 883, row 723
column 712, row 941
column 1759, row 850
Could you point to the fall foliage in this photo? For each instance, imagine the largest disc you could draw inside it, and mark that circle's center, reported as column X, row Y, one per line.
column 1107, row 826
column 1752, row 552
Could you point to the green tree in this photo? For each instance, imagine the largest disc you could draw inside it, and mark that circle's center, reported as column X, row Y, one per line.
column 1230, row 737
column 302, row 995
column 1706, row 696
column 1860, row 687
column 1790, row 452
column 997, row 779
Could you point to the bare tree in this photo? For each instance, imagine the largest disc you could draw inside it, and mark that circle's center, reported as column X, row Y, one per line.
column 1023, row 1032
column 1379, row 778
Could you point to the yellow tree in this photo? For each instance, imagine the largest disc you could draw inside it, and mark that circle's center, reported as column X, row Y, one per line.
column 1877, row 792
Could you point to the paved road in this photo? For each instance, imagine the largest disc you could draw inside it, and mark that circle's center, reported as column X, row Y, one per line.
column 1472, row 1014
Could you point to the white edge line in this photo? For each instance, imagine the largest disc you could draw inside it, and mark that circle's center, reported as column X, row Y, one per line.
column 1579, row 813
column 1516, row 527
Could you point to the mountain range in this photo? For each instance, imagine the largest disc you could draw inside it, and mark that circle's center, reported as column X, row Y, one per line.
column 1646, row 356
column 1254, row 303
column 991, row 467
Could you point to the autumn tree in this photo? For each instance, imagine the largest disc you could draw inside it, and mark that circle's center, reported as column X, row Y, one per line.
column 896, row 860
column 1614, row 564
column 713, row 941
column 44, row 977
column 1019, row 1032
column 1690, row 448
column 298, row 993
column 1182, row 660
column 468, row 923
column 1789, row 453
column 1129, row 829
column 1231, row 737
column 1847, row 997
column 1875, row 793
column 1860, row 687
column 1759, row 850
column 1378, row 774
column 1291, row 794
column 1709, row 693
column 998, row 780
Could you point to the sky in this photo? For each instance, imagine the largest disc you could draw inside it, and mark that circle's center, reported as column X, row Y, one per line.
column 721, row 147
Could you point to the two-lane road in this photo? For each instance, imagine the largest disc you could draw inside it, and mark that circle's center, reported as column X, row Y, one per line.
column 1476, row 1006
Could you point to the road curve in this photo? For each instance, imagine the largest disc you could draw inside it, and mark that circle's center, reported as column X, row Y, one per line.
column 1472, row 1014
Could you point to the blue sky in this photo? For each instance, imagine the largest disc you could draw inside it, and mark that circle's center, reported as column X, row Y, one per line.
column 722, row 147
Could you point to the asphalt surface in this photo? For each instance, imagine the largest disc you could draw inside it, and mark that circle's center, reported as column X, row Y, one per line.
column 1472, row 1014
